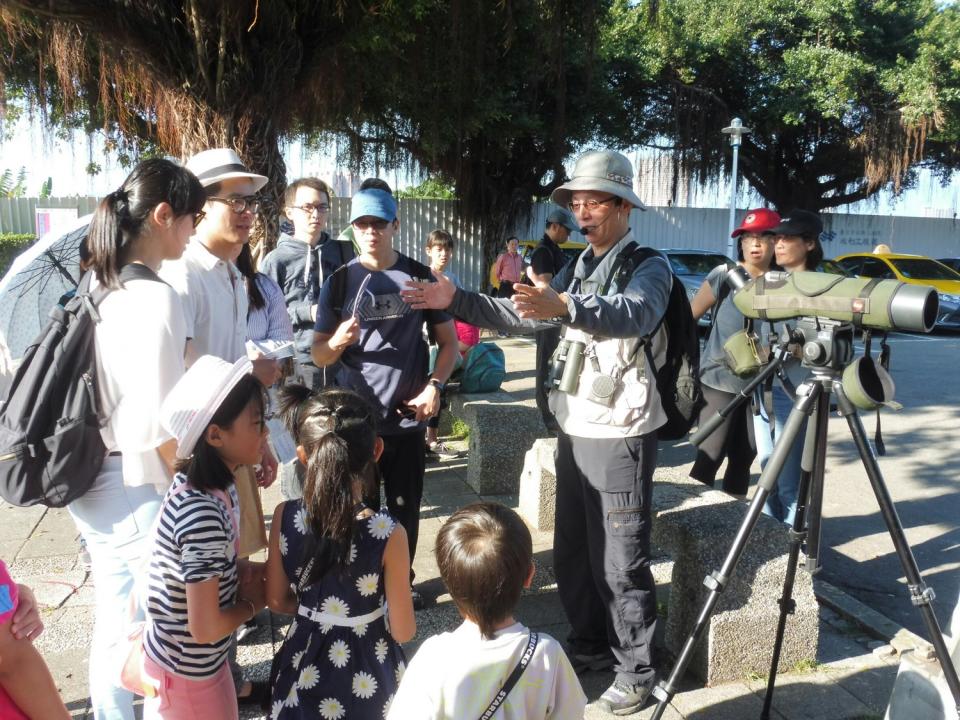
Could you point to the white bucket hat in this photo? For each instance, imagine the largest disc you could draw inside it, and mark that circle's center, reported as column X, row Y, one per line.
column 602, row 171
column 219, row 164
column 188, row 409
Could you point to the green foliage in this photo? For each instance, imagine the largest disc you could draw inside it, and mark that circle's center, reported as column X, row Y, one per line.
column 46, row 189
column 842, row 96
column 459, row 430
column 431, row 188
column 11, row 245
column 11, row 185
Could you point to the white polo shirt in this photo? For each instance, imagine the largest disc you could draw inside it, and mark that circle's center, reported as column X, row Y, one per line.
column 139, row 343
column 214, row 299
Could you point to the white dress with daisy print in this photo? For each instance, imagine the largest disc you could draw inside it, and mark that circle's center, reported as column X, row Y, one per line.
column 334, row 671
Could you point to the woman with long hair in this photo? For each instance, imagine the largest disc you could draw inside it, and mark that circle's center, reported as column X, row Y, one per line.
column 140, row 343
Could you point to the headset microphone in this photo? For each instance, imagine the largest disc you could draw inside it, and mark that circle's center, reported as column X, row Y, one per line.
column 587, row 229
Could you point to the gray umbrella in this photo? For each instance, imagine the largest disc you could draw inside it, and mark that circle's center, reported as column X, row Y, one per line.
column 36, row 281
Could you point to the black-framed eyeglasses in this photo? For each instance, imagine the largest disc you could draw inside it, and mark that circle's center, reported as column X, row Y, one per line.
column 310, row 209
column 378, row 225
column 198, row 218
column 590, row 205
column 240, row 205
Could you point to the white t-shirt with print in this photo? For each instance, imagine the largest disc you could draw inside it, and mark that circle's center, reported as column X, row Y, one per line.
column 457, row 674
column 139, row 342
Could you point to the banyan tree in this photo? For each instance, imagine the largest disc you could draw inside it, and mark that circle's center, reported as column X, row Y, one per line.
column 478, row 93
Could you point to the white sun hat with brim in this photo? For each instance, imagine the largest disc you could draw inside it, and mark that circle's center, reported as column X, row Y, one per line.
column 191, row 405
column 219, row 164
column 601, row 171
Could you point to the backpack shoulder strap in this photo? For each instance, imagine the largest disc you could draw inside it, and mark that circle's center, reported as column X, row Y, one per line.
column 338, row 289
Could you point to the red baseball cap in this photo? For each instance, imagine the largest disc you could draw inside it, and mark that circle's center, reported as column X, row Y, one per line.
column 757, row 221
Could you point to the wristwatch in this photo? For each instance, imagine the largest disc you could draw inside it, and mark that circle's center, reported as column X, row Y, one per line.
column 437, row 384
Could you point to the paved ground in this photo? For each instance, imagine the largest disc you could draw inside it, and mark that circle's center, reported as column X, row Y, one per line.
column 853, row 674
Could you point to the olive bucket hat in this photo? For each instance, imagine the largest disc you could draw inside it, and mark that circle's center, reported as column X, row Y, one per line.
column 602, row 171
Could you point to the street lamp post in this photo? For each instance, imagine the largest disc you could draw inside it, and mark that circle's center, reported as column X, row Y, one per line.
column 736, row 131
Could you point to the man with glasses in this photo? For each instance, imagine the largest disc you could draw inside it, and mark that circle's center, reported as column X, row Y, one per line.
column 301, row 262
column 363, row 323
column 214, row 299
column 608, row 412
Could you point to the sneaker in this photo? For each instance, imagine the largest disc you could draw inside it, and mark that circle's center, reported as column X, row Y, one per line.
column 441, row 451
column 624, row 699
column 83, row 557
column 586, row 662
column 247, row 629
column 418, row 602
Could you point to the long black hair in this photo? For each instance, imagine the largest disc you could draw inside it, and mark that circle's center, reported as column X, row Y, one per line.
column 337, row 430
column 120, row 216
column 244, row 264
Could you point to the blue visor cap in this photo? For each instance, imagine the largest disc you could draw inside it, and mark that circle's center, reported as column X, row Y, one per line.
column 373, row 203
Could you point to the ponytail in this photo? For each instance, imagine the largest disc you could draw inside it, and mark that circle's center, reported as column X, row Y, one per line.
column 337, row 430
column 120, row 217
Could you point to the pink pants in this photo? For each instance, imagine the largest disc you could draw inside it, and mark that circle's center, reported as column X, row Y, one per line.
column 183, row 699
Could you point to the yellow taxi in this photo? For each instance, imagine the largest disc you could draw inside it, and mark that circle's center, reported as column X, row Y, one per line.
column 571, row 248
column 914, row 270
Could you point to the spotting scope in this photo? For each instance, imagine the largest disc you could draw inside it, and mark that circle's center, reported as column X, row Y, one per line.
column 865, row 302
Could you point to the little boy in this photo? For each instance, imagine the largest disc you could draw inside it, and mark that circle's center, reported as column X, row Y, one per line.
column 485, row 556
column 440, row 252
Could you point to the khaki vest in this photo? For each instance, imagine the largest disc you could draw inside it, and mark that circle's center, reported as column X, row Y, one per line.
column 636, row 408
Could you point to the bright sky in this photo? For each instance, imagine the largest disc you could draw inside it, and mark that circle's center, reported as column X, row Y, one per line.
column 65, row 162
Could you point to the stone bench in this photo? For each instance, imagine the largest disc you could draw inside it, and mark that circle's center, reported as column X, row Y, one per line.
column 695, row 527
column 501, row 430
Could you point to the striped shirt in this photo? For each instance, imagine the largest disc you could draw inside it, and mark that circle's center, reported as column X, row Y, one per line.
column 194, row 540
column 271, row 322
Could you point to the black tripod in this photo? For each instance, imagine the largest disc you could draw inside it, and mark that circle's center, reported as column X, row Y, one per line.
column 827, row 349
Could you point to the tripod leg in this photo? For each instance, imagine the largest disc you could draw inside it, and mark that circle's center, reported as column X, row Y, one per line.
column 921, row 595
column 717, row 580
column 811, row 478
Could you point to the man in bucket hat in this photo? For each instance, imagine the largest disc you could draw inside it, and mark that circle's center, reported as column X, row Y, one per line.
column 363, row 323
column 608, row 412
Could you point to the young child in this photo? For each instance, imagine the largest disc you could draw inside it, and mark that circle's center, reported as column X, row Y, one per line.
column 342, row 569
column 27, row 690
column 440, row 248
column 198, row 591
column 485, row 556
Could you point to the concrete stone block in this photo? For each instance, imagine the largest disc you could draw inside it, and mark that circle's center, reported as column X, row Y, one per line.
column 501, row 431
column 696, row 527
column 538, row 484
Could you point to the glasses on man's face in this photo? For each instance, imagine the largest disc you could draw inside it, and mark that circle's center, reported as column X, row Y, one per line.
column 378, row 225
column 754, row 239
column 590, row 205
column 198, row 218
column 310, row 209
column 240, row 205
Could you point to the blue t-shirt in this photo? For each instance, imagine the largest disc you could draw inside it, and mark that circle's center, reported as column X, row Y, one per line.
column 388, row 366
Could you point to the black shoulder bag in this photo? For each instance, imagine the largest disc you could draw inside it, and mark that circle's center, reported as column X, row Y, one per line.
column 514, row 676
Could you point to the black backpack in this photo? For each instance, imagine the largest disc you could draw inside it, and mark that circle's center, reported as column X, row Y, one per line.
column 678, row 379
column 50, row 445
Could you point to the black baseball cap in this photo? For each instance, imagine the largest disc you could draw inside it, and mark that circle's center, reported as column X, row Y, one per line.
column 799, row 222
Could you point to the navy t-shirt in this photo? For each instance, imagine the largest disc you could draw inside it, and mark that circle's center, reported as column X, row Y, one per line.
column 389, row 364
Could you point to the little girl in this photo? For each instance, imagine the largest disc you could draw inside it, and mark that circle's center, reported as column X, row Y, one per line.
column 198, row 592
column 342, row 569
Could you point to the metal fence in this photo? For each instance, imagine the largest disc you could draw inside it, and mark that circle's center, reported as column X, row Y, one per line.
column 661, row 227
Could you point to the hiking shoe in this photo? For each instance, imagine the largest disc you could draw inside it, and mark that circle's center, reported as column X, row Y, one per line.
column 442, row 452
column 624, row 699
column 586, row 662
